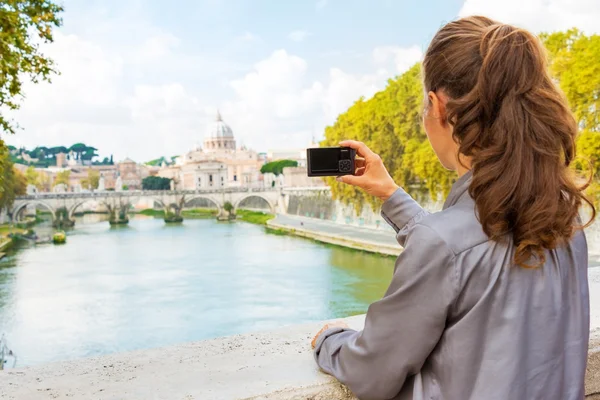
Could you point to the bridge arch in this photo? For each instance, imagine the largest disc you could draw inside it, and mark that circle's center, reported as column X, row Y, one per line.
column 18, row 208
column 209, row 198
column 258, row 195
column 79, row 204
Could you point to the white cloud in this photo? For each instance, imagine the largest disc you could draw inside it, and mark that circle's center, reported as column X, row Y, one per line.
column 298, row 36
column 402, row 57
column 539, row 15
column 276, row 104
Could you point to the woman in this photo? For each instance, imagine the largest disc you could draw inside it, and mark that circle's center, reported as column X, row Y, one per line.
column 489, row 299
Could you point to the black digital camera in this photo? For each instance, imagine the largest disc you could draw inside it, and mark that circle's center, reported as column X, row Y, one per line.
column 330, row 161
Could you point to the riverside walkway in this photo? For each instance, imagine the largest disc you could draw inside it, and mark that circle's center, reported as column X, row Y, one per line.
column 382, row 240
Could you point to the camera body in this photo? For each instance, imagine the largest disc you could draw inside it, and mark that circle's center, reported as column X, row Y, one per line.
column 330, row 161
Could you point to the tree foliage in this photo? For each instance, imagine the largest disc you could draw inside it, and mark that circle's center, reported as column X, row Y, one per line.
column 156, row 183
column 390, row 121
column 12, row 182
column 62, row 178
column 33, row 177
column 276, row 167
column 574, row 62
column 24, row 24
column 92, row 180
column 46, row 156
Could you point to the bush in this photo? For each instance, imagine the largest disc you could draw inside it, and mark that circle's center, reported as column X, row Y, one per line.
column 276, row 167
column 156, row 183
column 59, row 238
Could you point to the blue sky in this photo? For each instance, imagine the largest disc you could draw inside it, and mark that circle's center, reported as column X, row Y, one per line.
column 144, row 78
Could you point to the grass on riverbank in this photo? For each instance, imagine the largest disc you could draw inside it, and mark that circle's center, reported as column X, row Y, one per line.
column 200, row 212
column 6, row 229
column 254, row 217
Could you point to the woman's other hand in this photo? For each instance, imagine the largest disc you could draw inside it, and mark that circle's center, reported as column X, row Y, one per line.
column 336, row 324
column 370, row 175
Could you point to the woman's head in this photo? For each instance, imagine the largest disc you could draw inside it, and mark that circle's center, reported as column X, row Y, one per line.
column 492, row 106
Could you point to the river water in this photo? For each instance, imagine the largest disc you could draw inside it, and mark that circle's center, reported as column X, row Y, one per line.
column 150, row 285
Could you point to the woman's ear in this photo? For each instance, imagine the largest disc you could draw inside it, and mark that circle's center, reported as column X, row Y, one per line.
column 437, row 106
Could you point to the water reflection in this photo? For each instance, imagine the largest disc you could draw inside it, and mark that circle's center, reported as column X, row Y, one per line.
column 151, row 284
column 360, row 278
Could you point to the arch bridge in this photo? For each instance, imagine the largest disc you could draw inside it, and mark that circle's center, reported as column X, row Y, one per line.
column 171, row 201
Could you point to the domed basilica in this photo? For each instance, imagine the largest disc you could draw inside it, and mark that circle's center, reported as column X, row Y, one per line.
column 218, row 163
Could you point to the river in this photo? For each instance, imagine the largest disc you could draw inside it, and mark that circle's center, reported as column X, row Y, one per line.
column 150, row 285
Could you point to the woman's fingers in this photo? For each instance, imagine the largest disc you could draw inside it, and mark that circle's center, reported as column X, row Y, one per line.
column 359, row 171
column 359, row 162
column 361, row 149
column 335, row 324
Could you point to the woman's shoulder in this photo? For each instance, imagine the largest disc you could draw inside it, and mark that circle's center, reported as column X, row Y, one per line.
column 457, row 226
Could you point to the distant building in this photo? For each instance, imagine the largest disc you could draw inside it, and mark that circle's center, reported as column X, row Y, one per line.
column 61, row 160
column 132, row 174
column 220, row 163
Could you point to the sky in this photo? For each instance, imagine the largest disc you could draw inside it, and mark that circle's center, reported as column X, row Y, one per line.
column 145, row 78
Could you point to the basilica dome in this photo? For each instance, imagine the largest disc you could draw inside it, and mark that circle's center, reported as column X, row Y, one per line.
column 219, row 136
column 219, row 129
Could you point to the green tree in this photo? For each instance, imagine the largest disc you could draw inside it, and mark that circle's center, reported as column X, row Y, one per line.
column 156, row 183
column 276, row 167
column 228, row 207
column 574, row 62
column 20, row 182
column 24, row 24
column 33, row 177
column 45, row 182
column 62, row 178
column 89, row 154
column 58, row 149
column 78, row 149
column 92, row 180
column 12, row 182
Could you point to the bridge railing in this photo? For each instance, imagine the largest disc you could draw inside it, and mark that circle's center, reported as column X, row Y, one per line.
column 143, row 193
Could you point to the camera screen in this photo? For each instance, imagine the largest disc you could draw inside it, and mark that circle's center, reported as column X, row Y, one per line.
column 325, row 159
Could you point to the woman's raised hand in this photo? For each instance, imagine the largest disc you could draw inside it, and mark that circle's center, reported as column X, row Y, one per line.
column 370, row 175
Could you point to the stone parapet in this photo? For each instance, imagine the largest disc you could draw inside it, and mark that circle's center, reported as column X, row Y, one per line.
column 275, row 365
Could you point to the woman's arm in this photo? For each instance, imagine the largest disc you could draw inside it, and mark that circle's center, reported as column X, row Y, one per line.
column 402, row 212
column 400, row 330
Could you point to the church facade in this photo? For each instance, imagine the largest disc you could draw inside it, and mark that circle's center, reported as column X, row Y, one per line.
column 219, row 163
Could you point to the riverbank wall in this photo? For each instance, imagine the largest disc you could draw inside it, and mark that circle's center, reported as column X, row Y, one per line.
column 273, row 365
column 364, row 239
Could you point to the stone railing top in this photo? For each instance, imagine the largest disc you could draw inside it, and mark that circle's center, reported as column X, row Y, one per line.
column 264, row 365
column 273, row 365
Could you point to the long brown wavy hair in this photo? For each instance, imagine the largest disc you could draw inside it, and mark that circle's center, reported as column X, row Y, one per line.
column 515, row 125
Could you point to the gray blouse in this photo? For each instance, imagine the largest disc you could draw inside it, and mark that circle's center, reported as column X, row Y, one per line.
column 459, row 321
